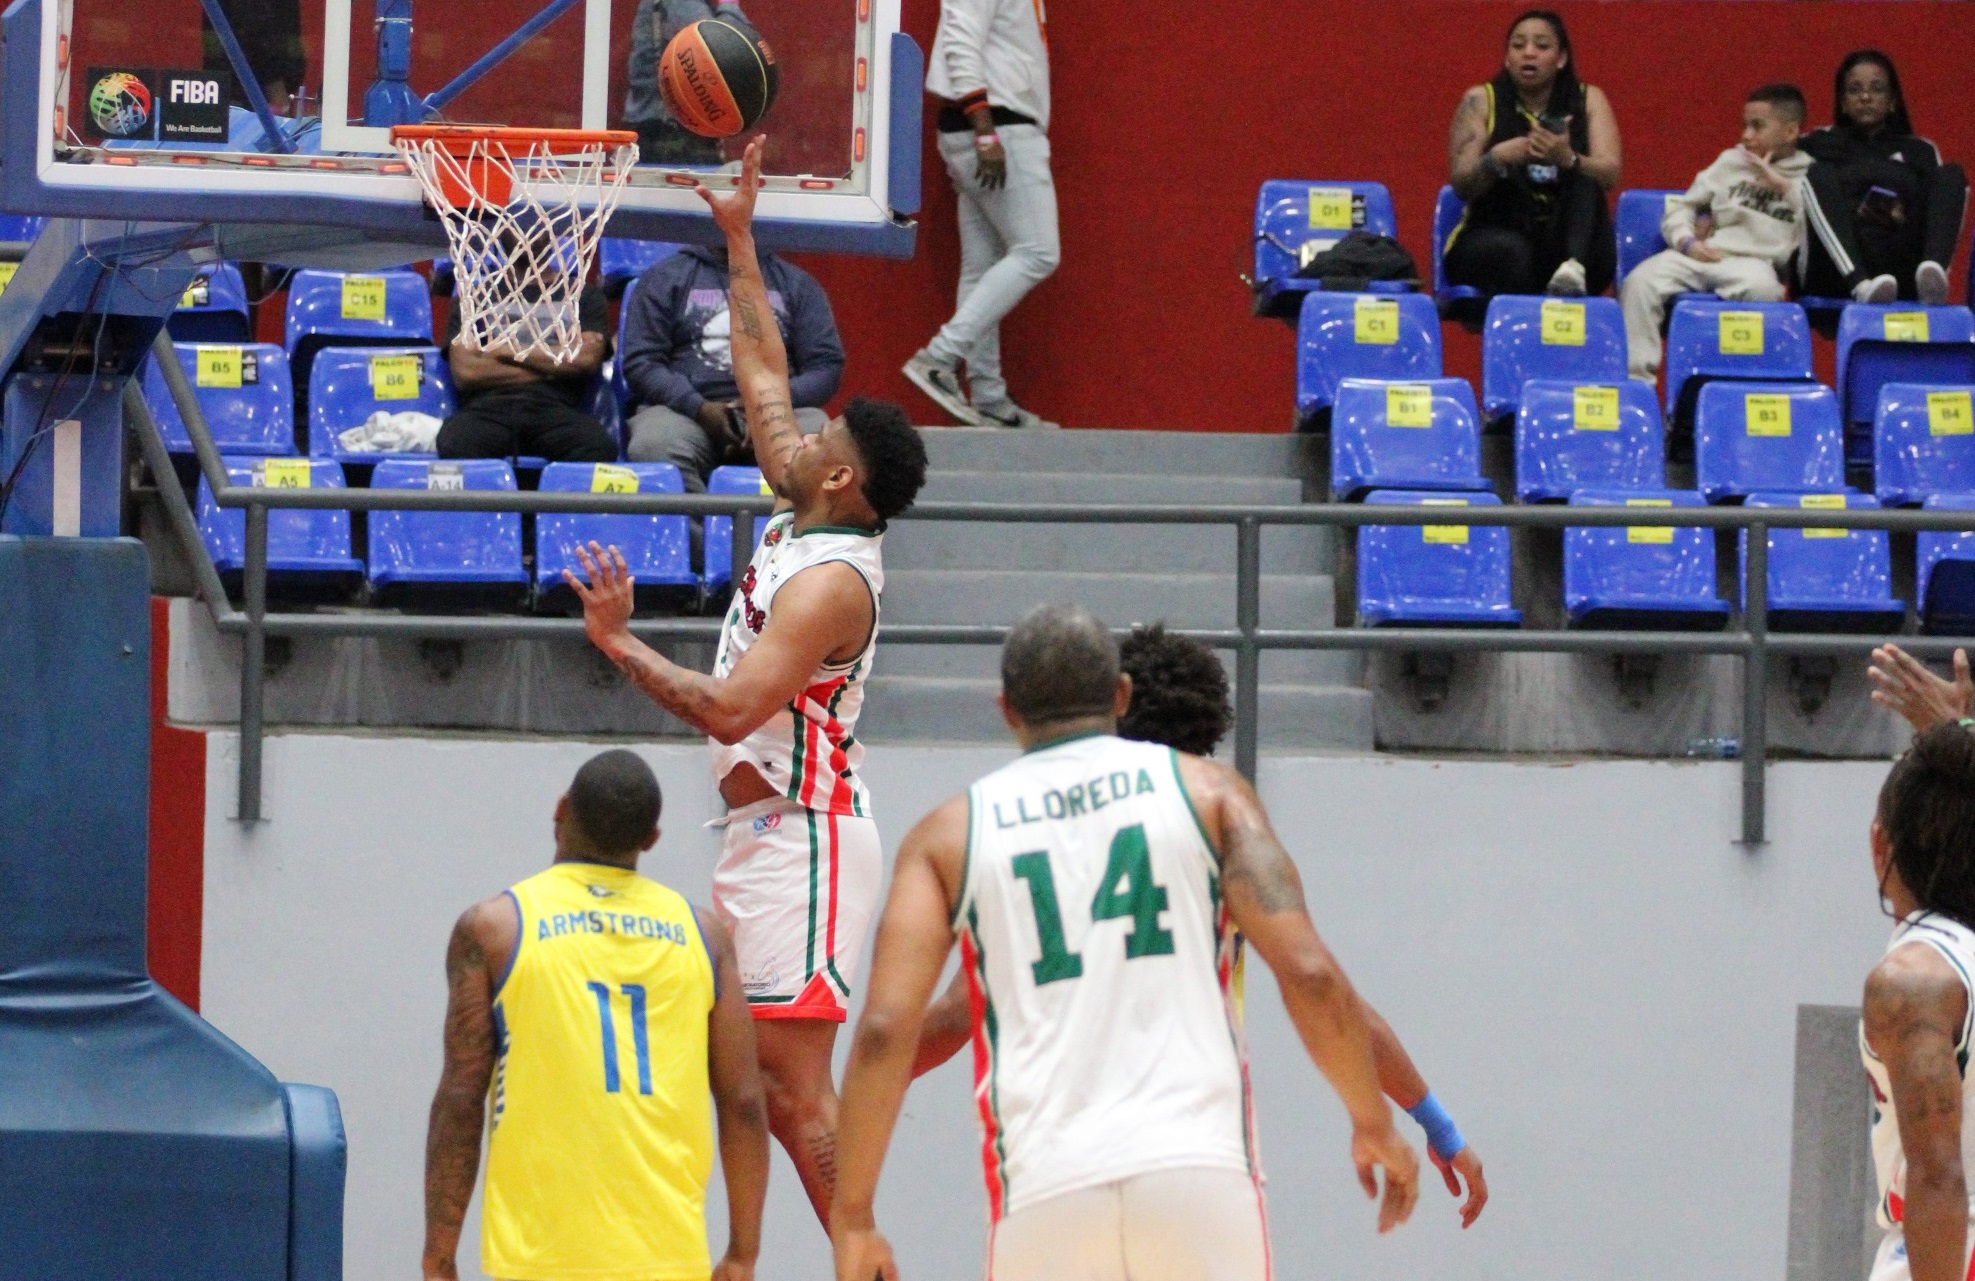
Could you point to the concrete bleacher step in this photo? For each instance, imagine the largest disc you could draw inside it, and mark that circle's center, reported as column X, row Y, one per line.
column 1106, row 487
column 1169, row 453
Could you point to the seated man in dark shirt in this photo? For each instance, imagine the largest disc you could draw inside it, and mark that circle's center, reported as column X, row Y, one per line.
column 513, row 406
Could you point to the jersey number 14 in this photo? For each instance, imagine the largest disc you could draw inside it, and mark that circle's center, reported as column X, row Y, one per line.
column 1126, row 890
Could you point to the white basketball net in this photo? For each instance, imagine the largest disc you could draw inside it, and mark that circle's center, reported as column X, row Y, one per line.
column 519, row 267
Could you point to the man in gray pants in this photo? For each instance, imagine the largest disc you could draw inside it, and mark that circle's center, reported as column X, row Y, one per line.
column 990, row 69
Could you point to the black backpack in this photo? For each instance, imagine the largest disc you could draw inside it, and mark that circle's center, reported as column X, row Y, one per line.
column 1358, row 259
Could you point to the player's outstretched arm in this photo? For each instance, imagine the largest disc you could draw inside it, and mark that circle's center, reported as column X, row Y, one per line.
column 1452, row 1155
column 1914, row 1007
column 761, row 363
column 739, row 1105
column 1903, row 683
column 915, row 934
column 459, row 1108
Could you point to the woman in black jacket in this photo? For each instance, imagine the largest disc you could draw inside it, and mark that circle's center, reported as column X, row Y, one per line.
column 1884, row 211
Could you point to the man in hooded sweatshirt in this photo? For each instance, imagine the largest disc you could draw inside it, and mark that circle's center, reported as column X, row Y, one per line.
column 1753, row 197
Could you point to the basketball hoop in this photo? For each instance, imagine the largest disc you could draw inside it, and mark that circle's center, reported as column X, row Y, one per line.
column 523, row 210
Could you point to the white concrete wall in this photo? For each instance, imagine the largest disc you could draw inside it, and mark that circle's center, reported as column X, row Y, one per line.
column 1599, row 983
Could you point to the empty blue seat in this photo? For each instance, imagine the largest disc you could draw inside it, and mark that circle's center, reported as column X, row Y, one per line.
column 1343, row 336
column 243, row 389
column 1828, row 580
column 1897, row 343
column 718, row 553
column 355, row 309
column 1621, row 577
column 213, row 308
column 1637, row 226
column 1945, row 572
column 349, row 384
column 1751, row 436
column 656, row 548
column 621, row 261
column 1448, row 210
column 1572, row 436
column 446, row 560
column 308, row 552
column 17, row 231
column 1422, row 435
column 1569, row 339
column 1434, row 575
column 1923, row 442
column 1710, row 338
column 1296, row 219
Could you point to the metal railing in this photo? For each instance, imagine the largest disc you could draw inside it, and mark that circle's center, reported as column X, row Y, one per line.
column 1753, row 643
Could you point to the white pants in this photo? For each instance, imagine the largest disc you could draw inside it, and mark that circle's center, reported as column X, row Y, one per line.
column 1666, row 275
column 1172, row 1225
column 1008, row 245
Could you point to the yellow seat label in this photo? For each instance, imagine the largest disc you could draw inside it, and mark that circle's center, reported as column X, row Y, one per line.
column 7, row 270
column 1766, row 415
column 1408, row 405
column 1563, row 324
column 1445, row 535
column 283, row 473
column 1824, row 502
column 1376, row 321
column 767, row 490
column 395, row 377
column 197, row 294
column 363, row 298
column 1649, row 533
column 217, row 367
column 1741, row 333
column 609, row 478
column 1330, row 208
column 1594, row 409
column 1906, row 326
column 1948, row 414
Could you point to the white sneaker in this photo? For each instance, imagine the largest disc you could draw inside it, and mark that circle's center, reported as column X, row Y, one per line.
column 1931, row 283
column 1010, row 414
column 942, row 384
column 1568, row 280
column 1879, row 289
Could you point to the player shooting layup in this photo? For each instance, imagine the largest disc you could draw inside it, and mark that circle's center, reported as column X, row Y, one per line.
column 1094, row 885
column 801, row 873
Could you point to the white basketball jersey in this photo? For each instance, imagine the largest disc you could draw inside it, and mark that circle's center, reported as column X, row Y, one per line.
column 808, row 750
column 1956, row 942
column 1092, row 933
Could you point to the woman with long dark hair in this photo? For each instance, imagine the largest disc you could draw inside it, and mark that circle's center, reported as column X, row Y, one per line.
column 1885, row 213
column 1533, row 152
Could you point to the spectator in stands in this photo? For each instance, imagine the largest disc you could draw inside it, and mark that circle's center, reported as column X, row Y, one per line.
column 1533, row 153
column 513, row 405
column 1753, row 194
column 680, row 367
column 1884, row 211
column 269, row 33
column 990, row 70
column 661, row 140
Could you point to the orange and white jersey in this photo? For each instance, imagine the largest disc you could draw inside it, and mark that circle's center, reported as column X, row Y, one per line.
column 807, row 750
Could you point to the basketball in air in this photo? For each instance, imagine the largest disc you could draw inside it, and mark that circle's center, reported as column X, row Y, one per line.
column 717, row 78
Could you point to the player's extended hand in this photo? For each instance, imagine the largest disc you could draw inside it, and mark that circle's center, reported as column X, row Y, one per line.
column 1903, row 683
column 607, row 598
column 732, row 1269
column 1465, row 1166
column 863, row 1254
column 1381, row 1146
column 733, row 211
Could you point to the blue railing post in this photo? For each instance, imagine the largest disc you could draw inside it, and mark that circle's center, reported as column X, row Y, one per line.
column 1248, row 654
column 1755, row 686
column 389, row 99
column 253, row 657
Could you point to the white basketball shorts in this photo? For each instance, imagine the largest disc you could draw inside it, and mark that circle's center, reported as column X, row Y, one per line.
column 1193, row 1224
column 798, row 888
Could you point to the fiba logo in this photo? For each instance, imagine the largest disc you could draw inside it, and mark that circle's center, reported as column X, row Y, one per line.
column 120, row 104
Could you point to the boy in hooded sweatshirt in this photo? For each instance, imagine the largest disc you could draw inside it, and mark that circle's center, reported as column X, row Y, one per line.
column 1753, row 197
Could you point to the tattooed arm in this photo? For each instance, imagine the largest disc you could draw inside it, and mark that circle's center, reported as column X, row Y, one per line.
column 1467, row 142
column 1914, row 1008
column 483, row 940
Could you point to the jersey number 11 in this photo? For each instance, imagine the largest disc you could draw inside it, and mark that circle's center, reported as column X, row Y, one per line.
column 635, row 994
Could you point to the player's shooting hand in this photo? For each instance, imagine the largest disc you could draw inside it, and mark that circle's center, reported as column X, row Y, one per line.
column 1371, row 1148
column 990, row 166
column 1465, row 1166
column 863, row 1254
column 1904, row 684
column 733, row 211
column 607, row 597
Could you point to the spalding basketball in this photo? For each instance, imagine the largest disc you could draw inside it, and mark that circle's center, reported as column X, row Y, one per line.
column 717, row 78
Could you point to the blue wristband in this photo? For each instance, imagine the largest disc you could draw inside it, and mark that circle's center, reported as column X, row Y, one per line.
column 1443, row 1137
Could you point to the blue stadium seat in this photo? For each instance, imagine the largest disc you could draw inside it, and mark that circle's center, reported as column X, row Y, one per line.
column 1578, row 340
column 1448, row 210
column 355, row 309
column 243, row 389
column 1290, row 215
column 349, row 384
column 1709, row 338
column 446, row 560
column 1782, row 436
column 718, row 555
column 656, row 548
column 1434, row 575
column 1572, row 436
column 621, row 261
column 1897, row 343
column 214, row 308
column 308, row 552
column 1343, row 336
column 619, row 388
column 1639, row 576
column 1923, row 442
column 1637, row 226
column 1828, row 580
column 1945, row 572
column 17, row 231
column 1390, row 435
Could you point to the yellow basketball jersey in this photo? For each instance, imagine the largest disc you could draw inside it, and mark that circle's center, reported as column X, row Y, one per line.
column 602, row 1114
